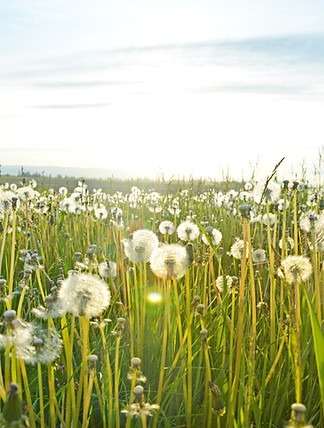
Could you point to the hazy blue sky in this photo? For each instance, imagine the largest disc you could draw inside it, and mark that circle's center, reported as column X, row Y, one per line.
column 183, row 87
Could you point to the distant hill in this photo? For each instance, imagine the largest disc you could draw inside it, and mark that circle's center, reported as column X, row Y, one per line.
column 60, row 171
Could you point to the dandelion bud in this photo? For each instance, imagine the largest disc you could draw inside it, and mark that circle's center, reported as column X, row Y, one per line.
column 120, row 327
column 245, row 210
column 209, row 230
column 49, row 300
column 298, row 412
column 295, row 185
column 12, row 409
column 195, row 301
column 3, row 284
column 92, row 360
column 9, row 316
column 53, row 289
column 203, row 334
column 14, row 201
column 285, row 183
column 136, row 362
column 218, row 405
column 77, row 256
column 138, row 392
column 90, row 252
column 201, row 308
column 190, row 252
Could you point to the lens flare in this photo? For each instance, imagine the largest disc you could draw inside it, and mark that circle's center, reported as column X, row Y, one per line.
column 154, row 297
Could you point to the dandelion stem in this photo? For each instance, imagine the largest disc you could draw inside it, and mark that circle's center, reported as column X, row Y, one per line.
column 27, row 393
column 40, row 391
column 117, row 382
column 164, row 347
column 3, row 242
column 12, row 258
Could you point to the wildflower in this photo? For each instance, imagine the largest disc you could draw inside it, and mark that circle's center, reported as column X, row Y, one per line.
column 200, row 309
column 245, row 210
column 107, row 269
column 63, row 191
column 84, row 294
column 259, row 256
column 282, row 204
column 100, row 212
column 44, row 348
column 270, row 195
column 230, row 284
column 166, row 227
column 188, row 231
column 290, row 243
column 6, row 202
column 12, row 409
column 139, row 407
column 120, row 327
column 311, row 221
column 141, row 245
column 135, row 370
column 272, row 219
column 237, row 249
column 203, row 334
column 296, row 269
column 92, row 360
column 214, row 235
column 67, row 205
column 170, row 261
column 25, row 193
column 218, row 405
column 297, row 419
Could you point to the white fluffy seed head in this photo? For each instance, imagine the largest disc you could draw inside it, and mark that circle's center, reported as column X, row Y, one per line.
column 84, row 294
column 296, row 269
column 140, row 247
column 170, row 261
column 214, row 235
column 188, row 231
column 107, row 269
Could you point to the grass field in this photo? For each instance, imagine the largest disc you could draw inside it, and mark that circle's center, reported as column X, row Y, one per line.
column 167, row 305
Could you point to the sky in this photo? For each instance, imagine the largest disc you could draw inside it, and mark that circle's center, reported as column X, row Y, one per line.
column 181, row 87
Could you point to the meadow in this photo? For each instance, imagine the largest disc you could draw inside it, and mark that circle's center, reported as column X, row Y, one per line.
column 172, row 306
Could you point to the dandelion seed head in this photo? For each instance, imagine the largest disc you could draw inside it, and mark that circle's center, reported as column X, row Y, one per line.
column 100, row 212
column 107, row 269
column 140, row 247
column 237, row 249
column 229, row 284
column 170, row 261
column 25, row 193
column 188, row 231
column 259, row 256
column 214, row 235
column 166, row 227
column 84, row 294
column 296, row 269
column 271, row 194
column 272, row 219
